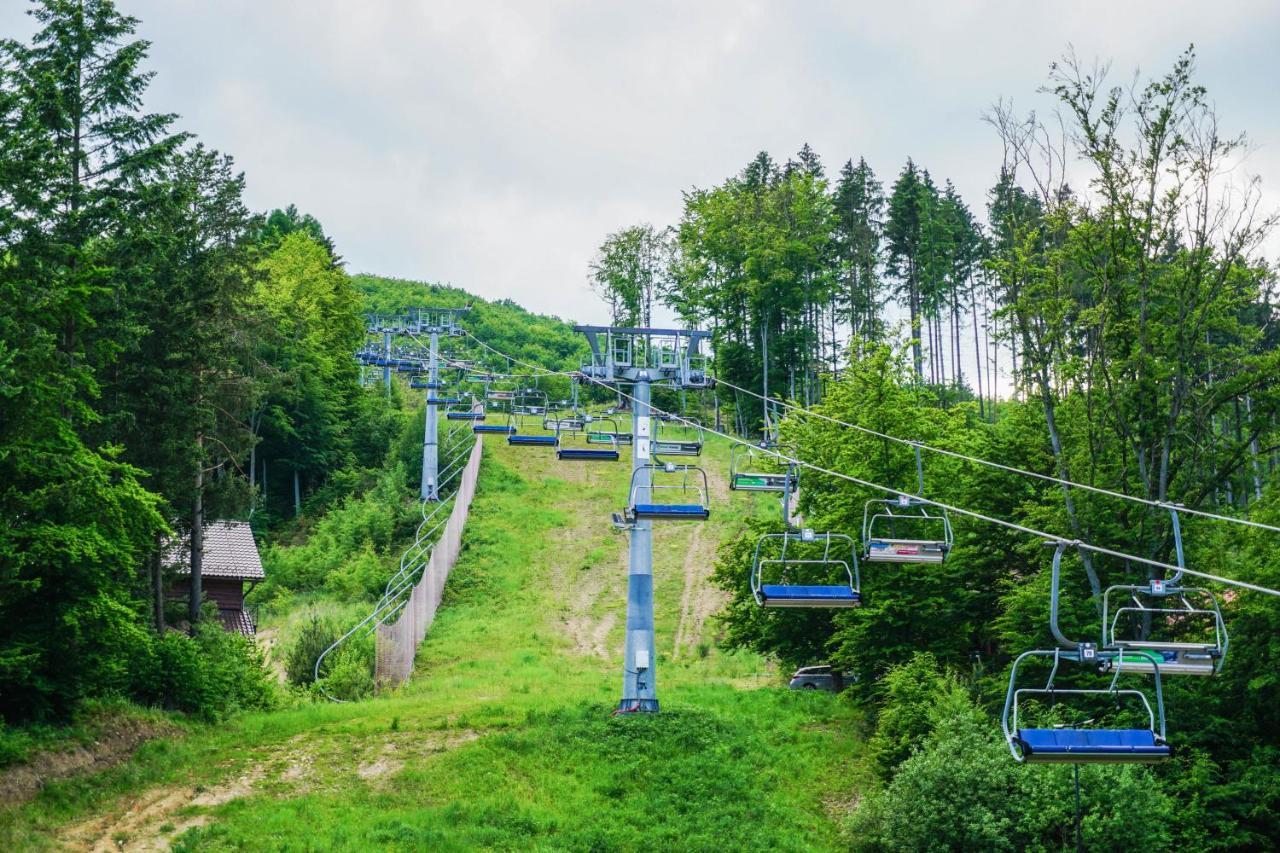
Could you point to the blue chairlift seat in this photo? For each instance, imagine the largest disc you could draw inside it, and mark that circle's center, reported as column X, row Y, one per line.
column 587, row 454
column 798, row 595
column 444, row 401
column 674, row 512
column 1091, row 746
column 498, row 428
column 534, row 440
column 464, row 416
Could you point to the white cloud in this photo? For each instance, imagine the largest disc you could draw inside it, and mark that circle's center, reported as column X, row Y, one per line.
column 493, row 144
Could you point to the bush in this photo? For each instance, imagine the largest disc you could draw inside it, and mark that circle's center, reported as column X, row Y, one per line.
column 351, row 677
column 353, row 549
column 910, row 695
column 963, row 791
column 316, row 636
column 211, row 675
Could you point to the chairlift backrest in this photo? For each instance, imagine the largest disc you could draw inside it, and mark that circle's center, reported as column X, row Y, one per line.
column 686, row 498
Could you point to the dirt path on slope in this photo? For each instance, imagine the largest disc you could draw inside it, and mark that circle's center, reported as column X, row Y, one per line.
column 699, row 599
column 585, row 573
column 594, row 595
column 156, row 818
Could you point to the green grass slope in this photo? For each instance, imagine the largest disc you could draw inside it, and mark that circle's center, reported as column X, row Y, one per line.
column 504, row 739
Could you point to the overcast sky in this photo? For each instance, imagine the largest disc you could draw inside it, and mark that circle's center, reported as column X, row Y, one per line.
column 493, row 145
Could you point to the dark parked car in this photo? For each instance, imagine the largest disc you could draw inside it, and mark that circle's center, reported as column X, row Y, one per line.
column 821, row 678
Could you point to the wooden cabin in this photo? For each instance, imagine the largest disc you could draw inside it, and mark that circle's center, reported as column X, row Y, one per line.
column 231, row 561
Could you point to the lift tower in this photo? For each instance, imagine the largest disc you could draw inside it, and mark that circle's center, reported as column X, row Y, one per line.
column 414, row 323
column 642, row 358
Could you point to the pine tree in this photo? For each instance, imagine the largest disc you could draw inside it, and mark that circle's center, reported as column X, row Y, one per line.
column 858, row 204
column 904, row 233
column 77, row 520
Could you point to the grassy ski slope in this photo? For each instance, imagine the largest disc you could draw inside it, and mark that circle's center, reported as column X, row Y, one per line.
column 504, row 739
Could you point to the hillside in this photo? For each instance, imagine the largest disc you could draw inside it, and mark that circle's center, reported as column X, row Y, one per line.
column 504, row 738
column 503, row 325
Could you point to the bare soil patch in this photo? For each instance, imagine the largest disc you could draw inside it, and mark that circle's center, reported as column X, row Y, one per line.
column 156, row 818
column 118, row 738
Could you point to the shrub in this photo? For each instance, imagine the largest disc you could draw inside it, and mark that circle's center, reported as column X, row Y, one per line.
column 351, row 677
column 211, row 675
column 963, row 791
column 909, row 695
column 316, row 636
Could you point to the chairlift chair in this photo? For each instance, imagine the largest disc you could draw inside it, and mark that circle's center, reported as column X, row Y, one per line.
column 790, row 589
column 1084, row 744
column 559, row 421
column 530, row 401
column 643, row 504
column 474, row 412
column 1193, row 612
column 604, row 430
column 754, row 480
column 515, row 437
column 503, row 429
column 879, row 514
column 1191, row 638
column 678, row 447
column 585, row 452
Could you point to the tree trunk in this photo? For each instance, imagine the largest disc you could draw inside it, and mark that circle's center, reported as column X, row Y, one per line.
column 1055, row 442
column 977, row 352
column 197, row 545
column 914, row 299
column 157, row 583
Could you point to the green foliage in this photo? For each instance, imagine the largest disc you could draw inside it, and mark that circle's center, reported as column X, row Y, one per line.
column 753, row 264
column 958, row 789
column 910, row 698
column 300, row 662
column 212, row 675
column 631, row 272
column 350, row 676
column 352, row 550
column 79, row 524
column 311, row 397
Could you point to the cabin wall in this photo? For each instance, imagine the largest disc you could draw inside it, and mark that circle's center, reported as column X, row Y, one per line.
column 227, row 593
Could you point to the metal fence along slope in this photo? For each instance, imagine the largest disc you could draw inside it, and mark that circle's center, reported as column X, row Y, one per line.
column 397, row 642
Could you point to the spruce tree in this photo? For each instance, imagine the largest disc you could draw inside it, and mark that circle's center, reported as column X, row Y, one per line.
column 858, row 204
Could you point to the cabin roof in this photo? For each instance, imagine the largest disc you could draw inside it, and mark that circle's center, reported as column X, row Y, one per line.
column 238, row 622
column 229, row 552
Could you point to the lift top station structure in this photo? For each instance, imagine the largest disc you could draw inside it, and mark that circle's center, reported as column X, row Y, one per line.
column 641, row 358
column 402, row 335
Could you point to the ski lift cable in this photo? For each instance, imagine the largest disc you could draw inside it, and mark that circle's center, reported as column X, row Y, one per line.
column 1031, row 531
column 1011, row 469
